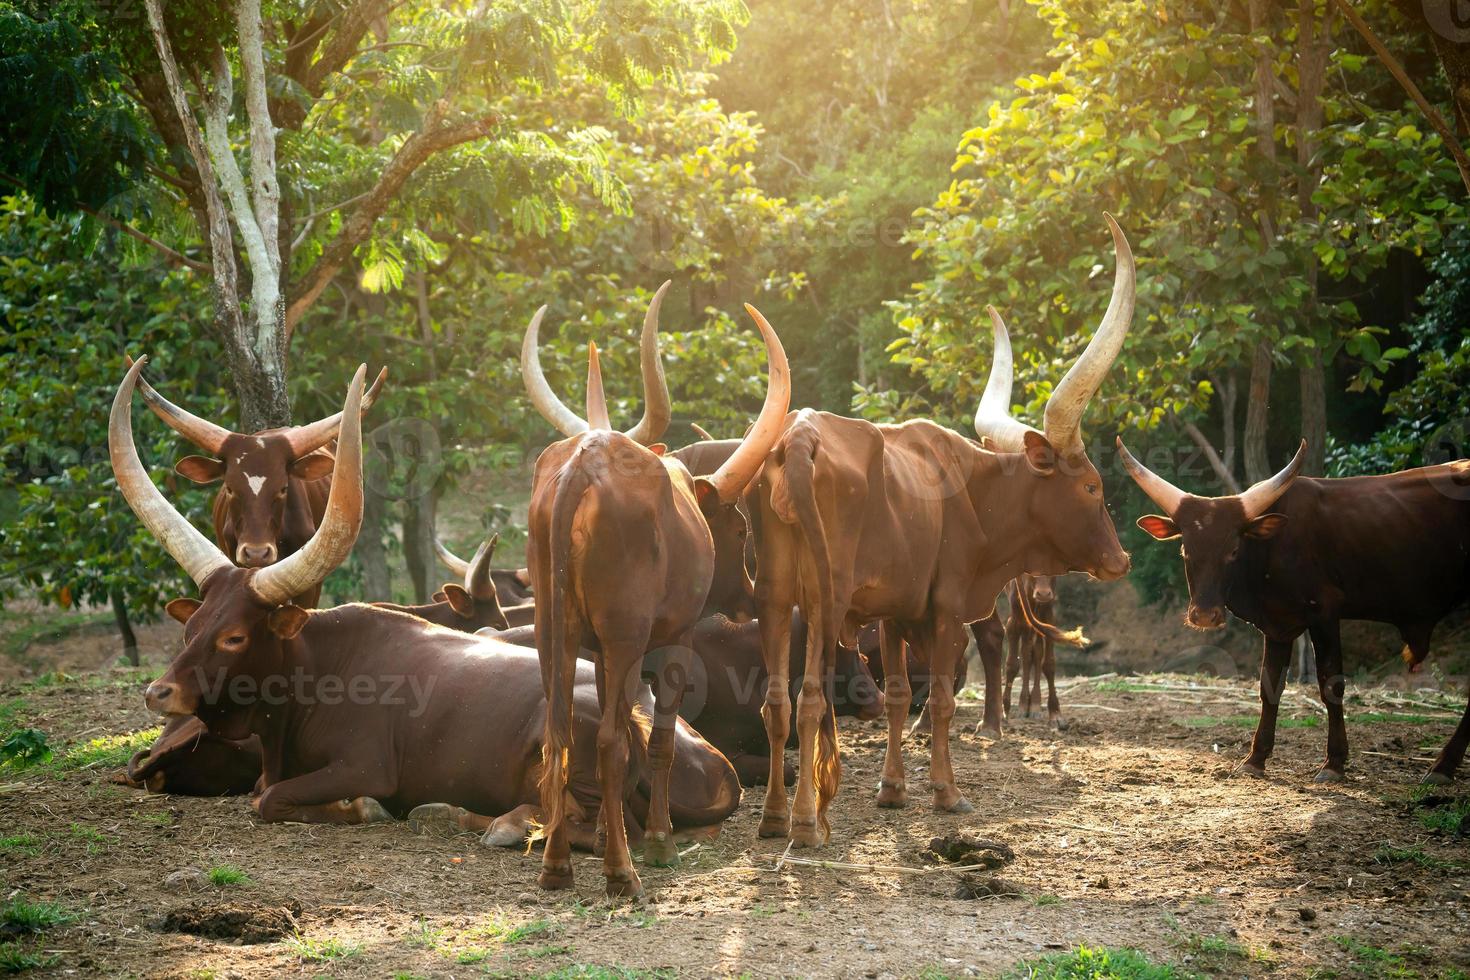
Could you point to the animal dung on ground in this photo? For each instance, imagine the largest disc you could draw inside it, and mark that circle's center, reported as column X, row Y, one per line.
column 962, row 848
column 246, row 924
column 974, row 886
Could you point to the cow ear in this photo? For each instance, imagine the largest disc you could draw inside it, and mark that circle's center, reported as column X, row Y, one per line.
column 705, row 492
column 286, row 621
column 659, row 448
column 182, row 609
column 312, row 466
column 1265, row 526
column 1160, row 527
column 1040, row 455
column 459, row 600
column 200, row 469
column 438, row 597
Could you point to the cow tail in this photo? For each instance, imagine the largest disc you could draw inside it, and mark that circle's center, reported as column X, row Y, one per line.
column 800, row 471
column 1074, row 637
column 551, row 642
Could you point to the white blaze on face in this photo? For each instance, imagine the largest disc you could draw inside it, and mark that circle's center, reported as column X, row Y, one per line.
column 256, row 482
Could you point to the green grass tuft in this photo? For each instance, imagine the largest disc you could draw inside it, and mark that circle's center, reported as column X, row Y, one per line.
column 19, row 915
column 223, row 875
column 109, row 751
column 1085, row 963
column 322, row 950
column 23, row 843
column 15, row 958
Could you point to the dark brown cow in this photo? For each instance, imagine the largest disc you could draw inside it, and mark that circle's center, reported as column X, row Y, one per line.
column 1031, row 639
column 730, row 674
column 915, row 525
column 273, row 483
column 512, row 585
column 343, row 700
column 1292, row 554
column 623, row 558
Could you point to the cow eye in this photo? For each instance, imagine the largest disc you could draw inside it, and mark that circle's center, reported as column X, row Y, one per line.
column 233, row 641
column 1092, row 489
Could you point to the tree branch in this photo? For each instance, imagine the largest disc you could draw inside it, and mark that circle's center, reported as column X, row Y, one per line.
column 433, row 138
column 342, row 45
column 1212, row 457
column 1397, row 71
column 265, row 191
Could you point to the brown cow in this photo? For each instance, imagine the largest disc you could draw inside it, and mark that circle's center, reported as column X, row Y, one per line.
column 273, row 483
column 1292, row 554
column 1031, row 639
column 342, row 699
column 917, row 526
column 512, row 585
column 470, row 606
column 623, row 559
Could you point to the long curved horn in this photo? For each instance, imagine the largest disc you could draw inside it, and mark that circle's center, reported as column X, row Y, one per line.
column 737, row 471
column 457, row 566
column 700, row 431
column 658, row 408
column 1159, row 490
column 308, row 438
column 331, row 544
column 1063, row 421
column 993, row 417
column 1258, row 499
column 596, row 400
column 192, row 550
column 563, row 419
column 201, row 432
column 477, row 581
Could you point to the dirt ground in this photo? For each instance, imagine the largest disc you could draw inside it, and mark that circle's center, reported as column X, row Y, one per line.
column 1129, row 828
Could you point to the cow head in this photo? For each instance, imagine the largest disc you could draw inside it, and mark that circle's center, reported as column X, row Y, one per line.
column 474, row 599
column 236, row 626
column 255, row 509
column 1214, row 530
column 731, row 590
column 1041, row 588
column 1073, row 530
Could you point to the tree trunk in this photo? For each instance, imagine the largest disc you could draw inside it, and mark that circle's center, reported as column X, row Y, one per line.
column 1314, row 43
column 125, row 627
column 377, row 580
column 1258, row 415
column 1228, row 397
column 418, row 544
column 1314, row 412
column 260, row 382
column 1258, row 401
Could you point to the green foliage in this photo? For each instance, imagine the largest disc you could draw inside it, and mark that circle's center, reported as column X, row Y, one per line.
column 224, row 875
column 15, row 958
column 25, row 748
column 331, row 949
column 1088, row 963
column 19, row 915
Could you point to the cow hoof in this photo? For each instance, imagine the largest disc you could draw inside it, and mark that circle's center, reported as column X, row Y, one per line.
column 1256, row 770
column 439, row 819
column 659, row 851
column 555, row 877
column 501, row 836
column 960, row 805
column 1436, row 778
column 369, row 810
column 892, row 796
column 987, row 732
column 774, row 825
column 1060, row 724
column 624, row 885
column 1328, row 776
column 806, row 834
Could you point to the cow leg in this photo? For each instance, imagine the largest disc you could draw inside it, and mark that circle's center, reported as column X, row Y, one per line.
column 947, row 646
column 754, row 770
column 1275, row 657
column 897, row 694
column 1013, row 659
column 1053, row 704
column 336, row 793
column 811, row 708
column 621, row 662
column 669, row 682
column 1443, row 770
column 1030, row 677
column 556, row 857
column 775, row 627
column 1327, row 639
column 990, row 660
column 511, row 829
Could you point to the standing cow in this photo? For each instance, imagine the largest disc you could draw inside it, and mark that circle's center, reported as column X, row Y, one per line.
column 627, row 551
column 1294, row 553
column 918, row 527
column 1031, row 639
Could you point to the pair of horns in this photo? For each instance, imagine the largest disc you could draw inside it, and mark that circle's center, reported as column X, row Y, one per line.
column 657, row 409
column 475, row 573
column 737, row 471
column 211, row 438
column 1063, row 419
column 1255, row 501
column 291, row 576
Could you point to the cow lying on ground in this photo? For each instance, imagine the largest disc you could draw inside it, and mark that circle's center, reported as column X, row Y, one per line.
column 731, row 676
column 361, row 712
column 512, row 585
column 1293, row 553
column 471, row 605
column 1031, row 639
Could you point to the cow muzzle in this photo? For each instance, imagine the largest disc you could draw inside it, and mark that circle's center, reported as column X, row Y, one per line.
column 1205, row 618
column 255, row 555
column 166, row 699
column 1114, row 567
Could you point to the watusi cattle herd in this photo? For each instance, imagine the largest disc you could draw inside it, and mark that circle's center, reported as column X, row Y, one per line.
column 693, row 613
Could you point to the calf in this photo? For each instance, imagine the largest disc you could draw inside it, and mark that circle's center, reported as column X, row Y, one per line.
column 1293, row 553
column 624, row 561
column 1032, row 638
column 343, row 701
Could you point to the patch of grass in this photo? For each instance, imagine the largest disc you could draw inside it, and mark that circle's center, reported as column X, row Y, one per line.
column 19, row 915
column 545, row 952
column 1046, row 900
column 109, row 751
column 426, row 936
column 1391, row 718
column 1124, row 687
column 1212, row 947
column 25, row 843
column 592, row 971
column 1451, row 818
column 95, row 840
column 158, row 818
column 1249, row 721
column 483, row 941
column 329, row 950
column 224, row 875
column 1085, row 963
column 47, row 628
column 15, row 958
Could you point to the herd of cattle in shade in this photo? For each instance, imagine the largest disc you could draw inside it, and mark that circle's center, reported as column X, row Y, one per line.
column 876, row 550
